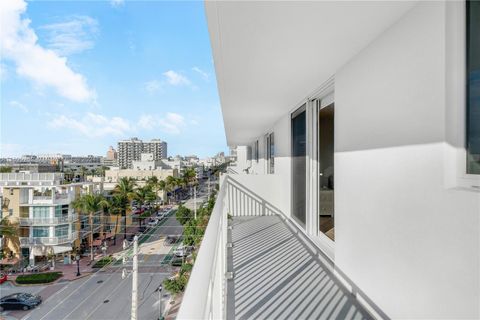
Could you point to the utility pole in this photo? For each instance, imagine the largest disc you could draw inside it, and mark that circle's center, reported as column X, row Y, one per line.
column 135, row 279
column 195, row 201
column 208, row 187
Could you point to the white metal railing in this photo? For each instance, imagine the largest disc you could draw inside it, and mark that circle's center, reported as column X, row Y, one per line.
column 47, row 221
column 61, row 196
column 27, row 241
column 205, row 295
column 232, row 169
column 42, row 198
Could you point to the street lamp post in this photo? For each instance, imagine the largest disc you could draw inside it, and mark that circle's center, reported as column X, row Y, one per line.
column 77, row 257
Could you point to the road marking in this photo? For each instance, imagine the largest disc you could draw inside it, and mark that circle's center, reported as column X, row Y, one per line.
column 107, row 297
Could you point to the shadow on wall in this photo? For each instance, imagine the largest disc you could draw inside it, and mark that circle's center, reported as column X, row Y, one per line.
column 242, row 201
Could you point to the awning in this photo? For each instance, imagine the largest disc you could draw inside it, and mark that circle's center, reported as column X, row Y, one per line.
column 45, row 250
column 9, row 262
column 109, row 235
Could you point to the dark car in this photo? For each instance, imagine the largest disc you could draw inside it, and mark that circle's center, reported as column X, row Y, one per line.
column 170, row 240
column 142, row 229
column 176, row 262
column 20, row 301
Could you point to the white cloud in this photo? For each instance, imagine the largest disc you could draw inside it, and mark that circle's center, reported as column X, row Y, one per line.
column 176, row 79
column 204, row 74
column 42, row 66
column 147, row 122
column 92, row 125
column 18, row 105
column 117, row 3
column 171, row 123
column 153, row 86
column 72, row 36
column 11, row 149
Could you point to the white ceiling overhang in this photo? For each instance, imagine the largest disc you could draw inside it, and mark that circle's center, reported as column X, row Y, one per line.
column 270, row 55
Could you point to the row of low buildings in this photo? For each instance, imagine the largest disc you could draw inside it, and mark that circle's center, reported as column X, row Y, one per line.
column 41, row 204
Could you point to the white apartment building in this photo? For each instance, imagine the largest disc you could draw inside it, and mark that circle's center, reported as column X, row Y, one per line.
column 41, row 204
column 130, row 150
column 359, row 124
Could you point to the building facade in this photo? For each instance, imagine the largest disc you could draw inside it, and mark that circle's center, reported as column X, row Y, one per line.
column 41, row 205
column 375, row 117
column 131, row 150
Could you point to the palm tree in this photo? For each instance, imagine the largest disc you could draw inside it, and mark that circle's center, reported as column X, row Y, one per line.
column 171, row 184
column 125, row 188
column 9, row 232
column 144, row 194
column 69, row 174
column 101, row 171
column 83, row 172
column 118, row 203
column 90, row 204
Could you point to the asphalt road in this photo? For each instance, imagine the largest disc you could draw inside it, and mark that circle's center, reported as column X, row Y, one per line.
column 105, row 295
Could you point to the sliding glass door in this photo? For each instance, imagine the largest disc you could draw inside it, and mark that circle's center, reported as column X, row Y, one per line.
column 299, row 152
column 326, row 177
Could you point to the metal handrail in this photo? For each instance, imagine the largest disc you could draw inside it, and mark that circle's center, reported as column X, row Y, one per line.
column 204, row 296
column 48, row 240
column 47, row 221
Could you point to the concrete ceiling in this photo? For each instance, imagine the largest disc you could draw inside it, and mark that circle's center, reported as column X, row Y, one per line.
column 271, row 55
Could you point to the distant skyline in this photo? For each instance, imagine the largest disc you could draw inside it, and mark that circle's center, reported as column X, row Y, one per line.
column 78, row 76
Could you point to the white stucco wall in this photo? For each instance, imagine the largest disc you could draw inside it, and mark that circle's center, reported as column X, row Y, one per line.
column 404, row 237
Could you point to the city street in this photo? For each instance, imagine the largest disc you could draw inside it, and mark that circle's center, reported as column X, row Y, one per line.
column 105, row 295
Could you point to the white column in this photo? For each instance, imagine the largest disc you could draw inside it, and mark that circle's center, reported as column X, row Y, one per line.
column 135, row 279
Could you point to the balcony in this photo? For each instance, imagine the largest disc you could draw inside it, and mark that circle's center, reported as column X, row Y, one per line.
column 260, row 265
column 48, row 221
column 27, row 241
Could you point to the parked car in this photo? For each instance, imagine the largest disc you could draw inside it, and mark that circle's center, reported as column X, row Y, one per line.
column 160, row 214
column 20, row 301
column 142, row 229
column 3, row 277
column 170, row 240
column 183, row 251
column 153, row 222
column 176, row 262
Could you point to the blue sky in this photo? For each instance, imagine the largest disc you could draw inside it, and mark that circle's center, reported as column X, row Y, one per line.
column 78, row 76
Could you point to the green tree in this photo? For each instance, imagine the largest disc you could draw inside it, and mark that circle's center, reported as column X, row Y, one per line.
column 118, row 203
column 90, row 204
column 126, row 188
column 184, row 215
column 4, row 169
column 9, row 232
column 142, row 195
column 83, row 172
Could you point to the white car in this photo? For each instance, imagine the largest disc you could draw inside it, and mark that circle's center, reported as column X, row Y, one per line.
column 153, row 222
column 160, row 215
column 183, row 251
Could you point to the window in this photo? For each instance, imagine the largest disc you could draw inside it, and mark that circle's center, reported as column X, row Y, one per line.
column 61, row 230
column 256, row 151
column 473, row 87
column 299, row 164
column 40, row 232
column 270, row 153
column 41, row 212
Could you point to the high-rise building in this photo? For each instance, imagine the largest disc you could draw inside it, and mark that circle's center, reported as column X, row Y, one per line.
column 111, row 153
column 131, row 150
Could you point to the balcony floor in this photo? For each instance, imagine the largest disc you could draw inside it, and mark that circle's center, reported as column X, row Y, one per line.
column 277, row 276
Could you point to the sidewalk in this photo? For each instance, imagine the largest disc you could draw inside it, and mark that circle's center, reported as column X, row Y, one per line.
column 70, row 270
